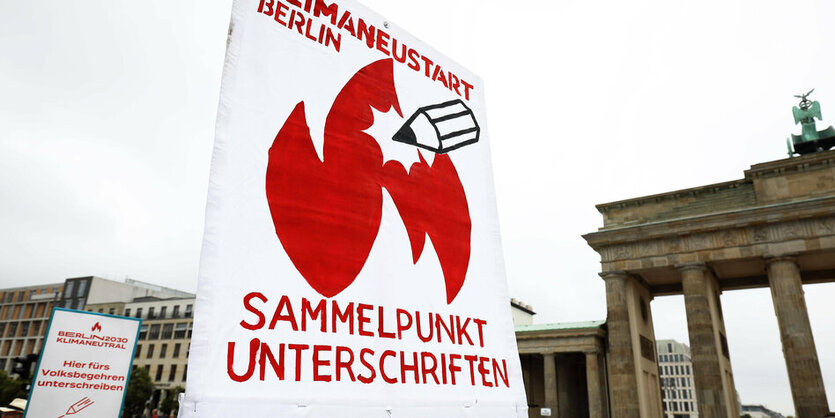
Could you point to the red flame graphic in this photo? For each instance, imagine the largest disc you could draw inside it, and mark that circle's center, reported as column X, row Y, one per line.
column 97, row 327
column 327, row 212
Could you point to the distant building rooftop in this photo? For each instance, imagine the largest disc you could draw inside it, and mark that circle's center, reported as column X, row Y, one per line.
column 761, row 411
column 559, row 326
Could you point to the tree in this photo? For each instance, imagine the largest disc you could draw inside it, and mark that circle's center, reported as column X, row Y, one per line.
column 11, row 388
column 170, row 402
column 139, row 390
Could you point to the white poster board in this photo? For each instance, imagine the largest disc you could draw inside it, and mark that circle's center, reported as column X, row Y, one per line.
column 351, row 262
column 84, row 366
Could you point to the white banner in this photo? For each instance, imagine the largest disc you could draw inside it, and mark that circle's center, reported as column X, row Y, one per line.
column 84, row 366
column 352, row 262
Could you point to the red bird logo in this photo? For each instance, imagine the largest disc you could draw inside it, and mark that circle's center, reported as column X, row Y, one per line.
column 327, row 212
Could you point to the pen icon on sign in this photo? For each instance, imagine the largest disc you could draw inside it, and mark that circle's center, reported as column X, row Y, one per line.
column 78, row 406
column 440, row 128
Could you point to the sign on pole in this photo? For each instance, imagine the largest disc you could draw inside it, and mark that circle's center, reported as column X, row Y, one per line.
column 352, row 262
column 84, row 366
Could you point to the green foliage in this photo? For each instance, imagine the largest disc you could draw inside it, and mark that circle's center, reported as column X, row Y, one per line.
column 170, row 402
column 139, row 390
column 11, row 388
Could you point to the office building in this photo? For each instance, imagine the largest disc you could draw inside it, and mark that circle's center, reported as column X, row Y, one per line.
column 24, row 314
column 164, row 340
column 675, row 370
column 25, row 311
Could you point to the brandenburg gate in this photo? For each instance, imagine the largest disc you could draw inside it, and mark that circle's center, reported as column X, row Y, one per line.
column 774, row 228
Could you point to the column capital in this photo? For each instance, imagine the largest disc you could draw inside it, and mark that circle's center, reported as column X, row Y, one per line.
column 614, row 275
column 792, row 258
column 697, row 265
column 591, row 351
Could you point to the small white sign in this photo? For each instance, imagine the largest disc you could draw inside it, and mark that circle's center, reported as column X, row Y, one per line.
column 84, row 367
column 545, row 412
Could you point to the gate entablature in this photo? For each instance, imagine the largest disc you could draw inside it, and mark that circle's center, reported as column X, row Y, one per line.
column 780, row 208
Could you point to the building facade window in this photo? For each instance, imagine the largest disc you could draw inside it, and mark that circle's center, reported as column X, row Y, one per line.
column 143, row 332
column 176, row 351
column 162, row 350
column 162, row 312
column 167, row 331
column 138, row 351
column 139, row 312
column 151, row 312
column 150, row 351
column 176, row 311
column 127, row 312
column 180, row 330
column 154, row 334
column 172, row 373
column 159, row 373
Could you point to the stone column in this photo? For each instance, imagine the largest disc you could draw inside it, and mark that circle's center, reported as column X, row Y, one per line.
column 623, row 387
column 593, row 384
column 550, row 367
column 796, row 335
column 707, row 370
column 567, row 390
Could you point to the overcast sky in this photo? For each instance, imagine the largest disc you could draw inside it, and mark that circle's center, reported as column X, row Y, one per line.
column 107, row 113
